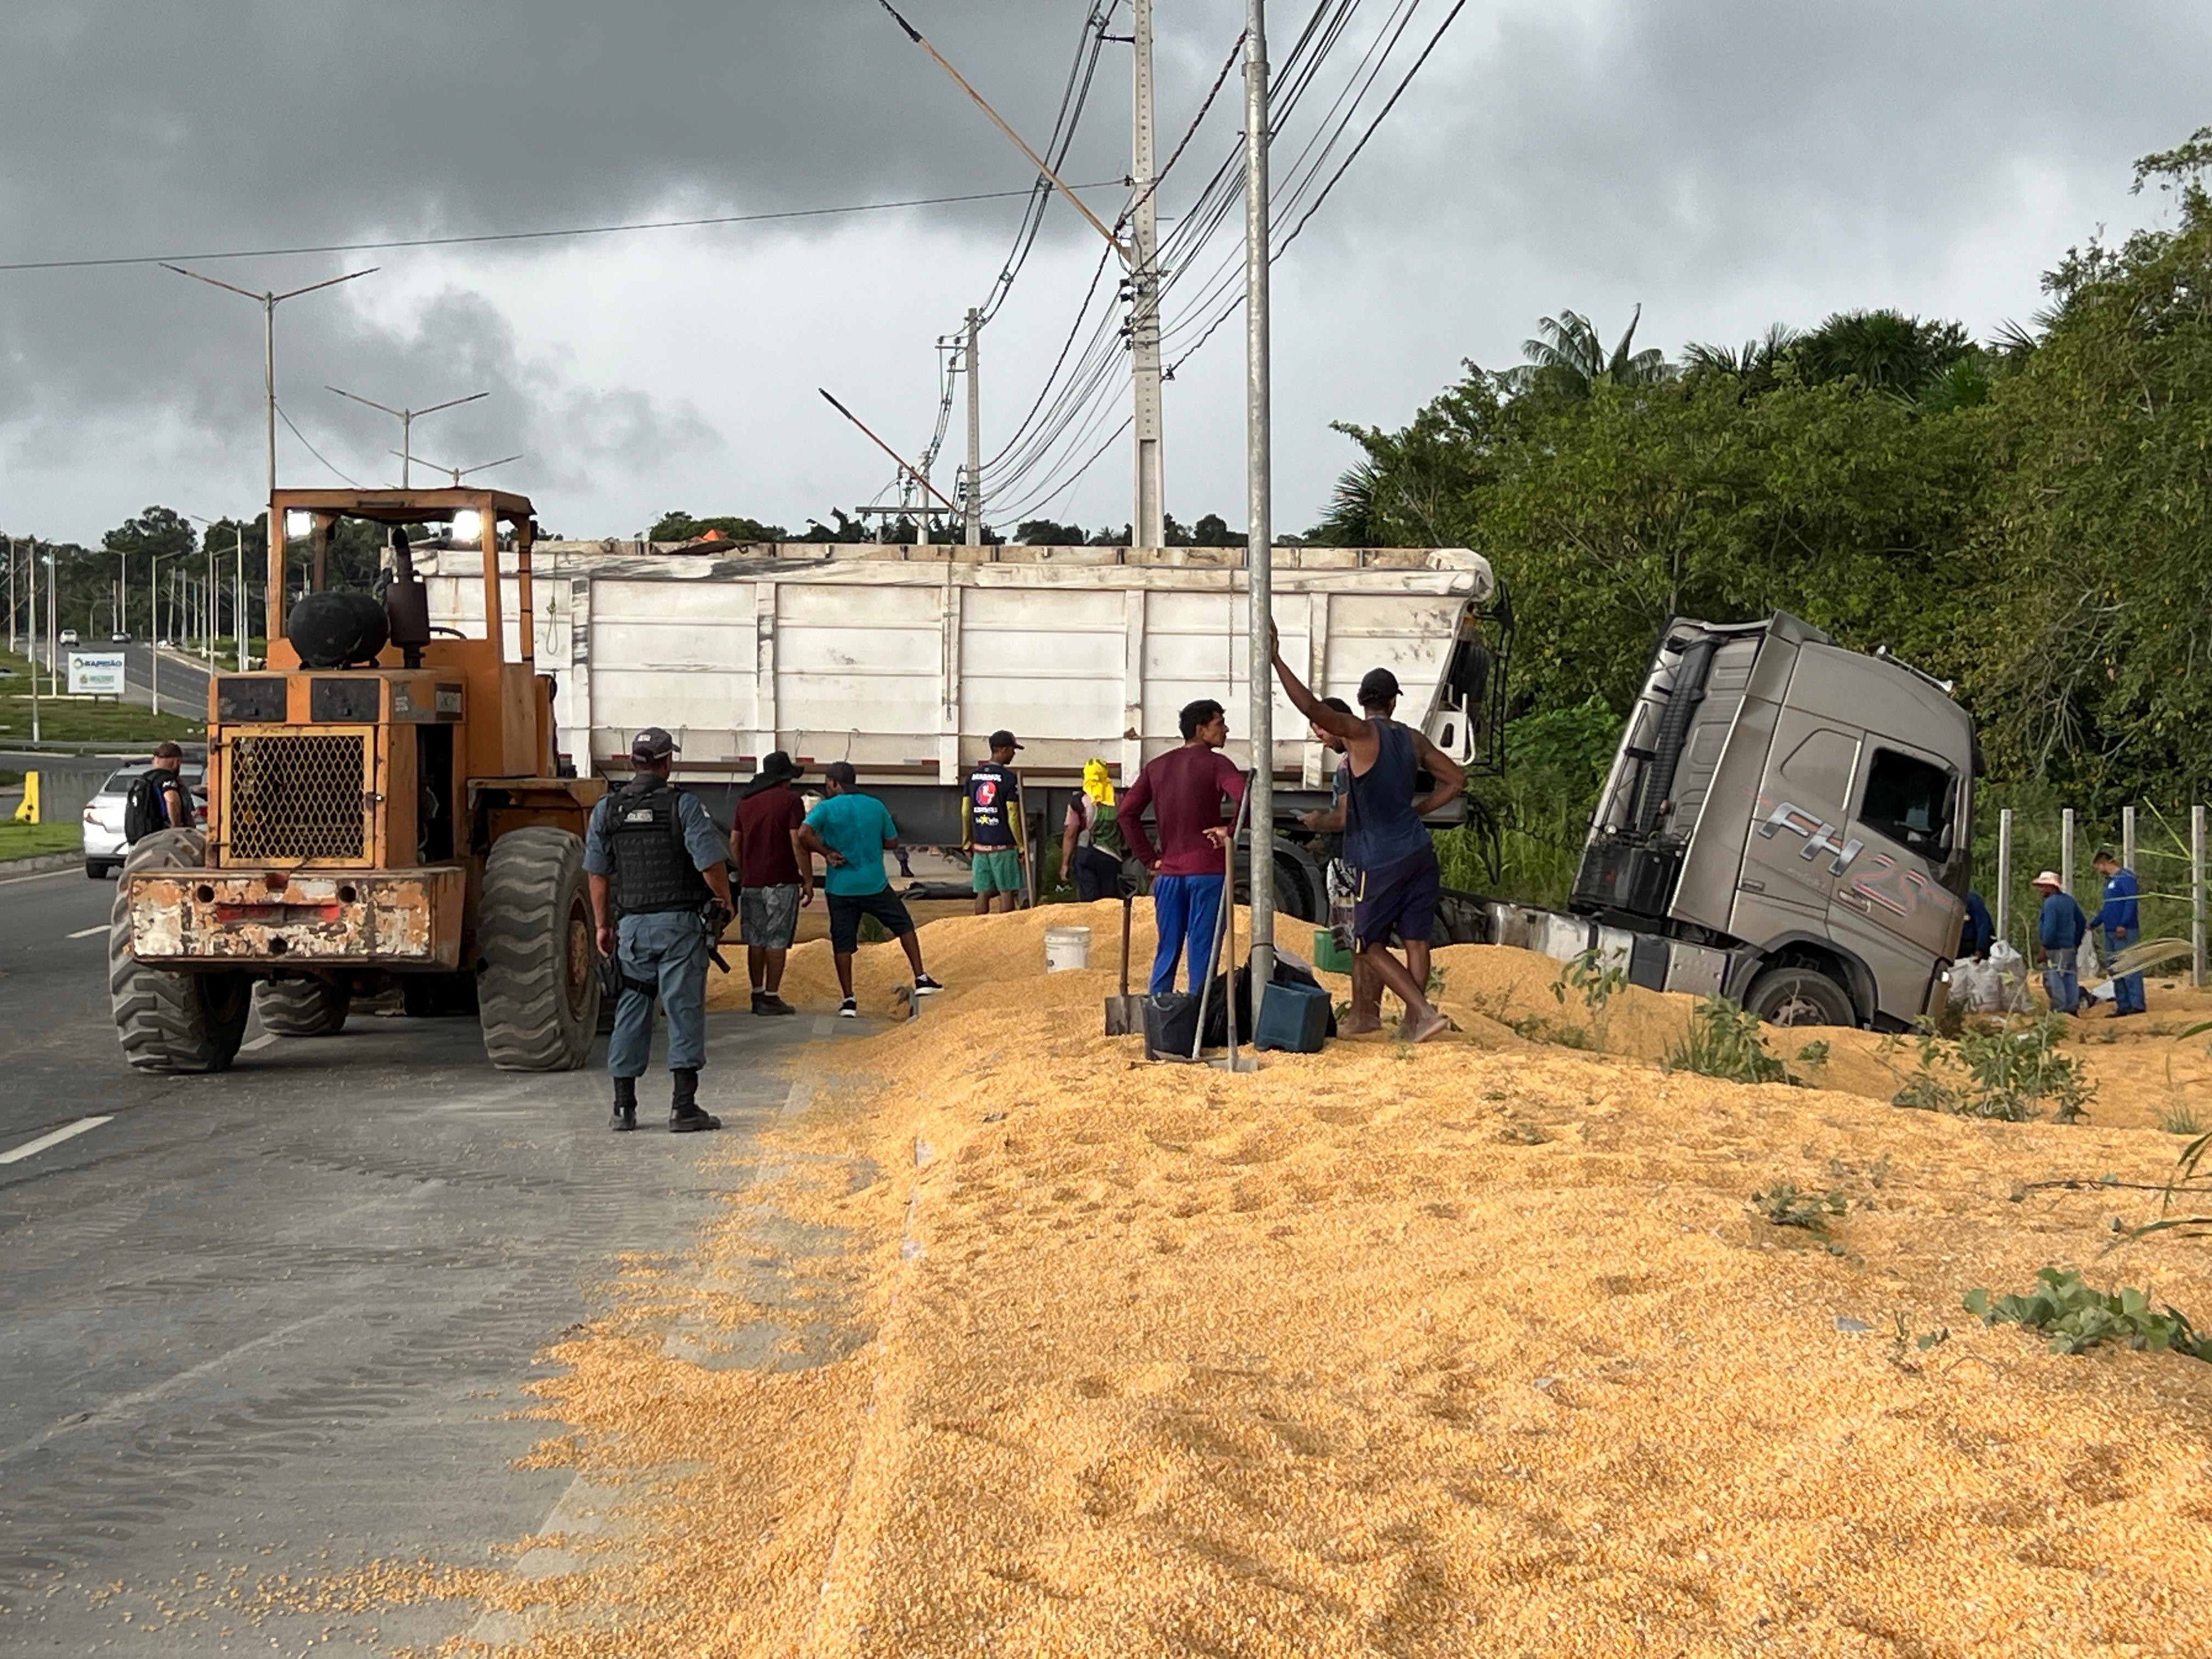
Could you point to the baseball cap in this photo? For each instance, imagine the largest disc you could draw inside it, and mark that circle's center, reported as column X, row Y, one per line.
column 652, row 744
column 1003, row 739
column 1379, row 686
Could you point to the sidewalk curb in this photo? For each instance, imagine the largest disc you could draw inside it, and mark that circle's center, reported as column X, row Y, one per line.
column 44, row 862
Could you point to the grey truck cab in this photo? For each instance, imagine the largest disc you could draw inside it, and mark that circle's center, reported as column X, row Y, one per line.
column 1787, row 824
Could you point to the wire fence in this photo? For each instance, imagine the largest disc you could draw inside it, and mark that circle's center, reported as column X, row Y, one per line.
column 2164, row 846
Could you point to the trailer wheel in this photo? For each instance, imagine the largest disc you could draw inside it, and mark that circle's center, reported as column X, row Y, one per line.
column 538, row 991
column 303, row 1008
column 1800, row 996
column 166, row 1021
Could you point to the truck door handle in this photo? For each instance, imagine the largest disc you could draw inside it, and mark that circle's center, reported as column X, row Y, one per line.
column 1857, row 901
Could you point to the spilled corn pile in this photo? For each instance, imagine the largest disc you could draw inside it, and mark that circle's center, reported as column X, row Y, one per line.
column 1485, row 1346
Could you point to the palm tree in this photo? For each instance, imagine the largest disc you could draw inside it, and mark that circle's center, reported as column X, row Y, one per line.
column 1757, row 360
column 1568, row 361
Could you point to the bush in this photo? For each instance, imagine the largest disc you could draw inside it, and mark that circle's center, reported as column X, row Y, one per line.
column 1724, row 1041
column 2003, row 1072
column 2078, row 1317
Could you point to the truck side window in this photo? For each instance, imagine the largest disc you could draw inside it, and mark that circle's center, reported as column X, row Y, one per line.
column 1908, row 800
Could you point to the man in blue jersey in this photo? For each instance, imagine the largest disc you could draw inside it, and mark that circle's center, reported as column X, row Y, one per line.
column 2121, row 919
column 1384, row 839
column 991, row 825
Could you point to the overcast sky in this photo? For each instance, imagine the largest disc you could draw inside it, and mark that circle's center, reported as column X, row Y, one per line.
column 1725, row 163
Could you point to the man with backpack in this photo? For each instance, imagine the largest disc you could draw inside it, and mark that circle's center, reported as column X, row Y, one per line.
column 157, row 799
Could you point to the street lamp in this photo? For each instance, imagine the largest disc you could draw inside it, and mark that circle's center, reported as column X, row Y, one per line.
column 406, row 418
column 458, row 473
column 269, row 302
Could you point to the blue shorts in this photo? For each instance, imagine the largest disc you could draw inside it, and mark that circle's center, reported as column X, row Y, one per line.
column 1400, row 896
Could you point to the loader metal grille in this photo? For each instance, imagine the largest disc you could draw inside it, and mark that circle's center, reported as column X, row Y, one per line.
column 296, row 797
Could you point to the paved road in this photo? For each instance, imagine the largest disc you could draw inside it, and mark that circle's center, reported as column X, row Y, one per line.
column 272, row 1322
column 183, row 681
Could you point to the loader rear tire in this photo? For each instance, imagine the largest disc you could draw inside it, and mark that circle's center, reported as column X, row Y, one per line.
column 168, row 1021
column 303, row 1008
column 538, row 988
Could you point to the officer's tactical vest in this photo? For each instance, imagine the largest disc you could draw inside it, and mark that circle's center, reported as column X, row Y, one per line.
column 653, row 872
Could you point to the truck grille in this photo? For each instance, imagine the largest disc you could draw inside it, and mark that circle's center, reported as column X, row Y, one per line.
column 295, row 797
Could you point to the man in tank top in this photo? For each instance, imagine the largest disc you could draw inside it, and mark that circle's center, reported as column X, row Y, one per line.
column 1384, row 839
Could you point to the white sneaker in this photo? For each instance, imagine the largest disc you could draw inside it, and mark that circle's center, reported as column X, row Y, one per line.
column 849, row 1009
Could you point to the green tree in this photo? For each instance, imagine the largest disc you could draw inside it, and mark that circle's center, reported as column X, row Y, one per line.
column 1567, row 359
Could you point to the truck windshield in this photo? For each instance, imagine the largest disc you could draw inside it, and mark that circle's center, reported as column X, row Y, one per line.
column 1908, row 800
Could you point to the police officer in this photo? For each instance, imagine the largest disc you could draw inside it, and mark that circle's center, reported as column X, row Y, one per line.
column 667, row 864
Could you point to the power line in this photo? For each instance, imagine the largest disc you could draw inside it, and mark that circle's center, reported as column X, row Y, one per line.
column 286, row 417
column 540, row 235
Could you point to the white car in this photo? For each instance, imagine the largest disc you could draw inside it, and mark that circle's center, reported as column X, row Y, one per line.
column 69, row 636
column 105, row 848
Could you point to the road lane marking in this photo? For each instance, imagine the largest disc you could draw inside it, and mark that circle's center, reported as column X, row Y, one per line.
column 87, row 933
column 44, row 875
column 17, row 1154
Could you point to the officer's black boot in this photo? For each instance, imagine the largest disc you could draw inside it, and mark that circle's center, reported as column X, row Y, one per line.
column 625, row 1113
column 683, row 1114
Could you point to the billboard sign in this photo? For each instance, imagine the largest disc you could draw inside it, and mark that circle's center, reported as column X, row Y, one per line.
column 96, row 673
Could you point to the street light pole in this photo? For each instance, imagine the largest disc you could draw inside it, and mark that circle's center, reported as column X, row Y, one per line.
column 31, row 635
column 1260, row 496
column 268, row 301
column 406, row 418
column 1149, row 521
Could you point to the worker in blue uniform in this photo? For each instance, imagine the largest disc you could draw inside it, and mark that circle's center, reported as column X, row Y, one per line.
column 2120, row 919
column 2059, row 931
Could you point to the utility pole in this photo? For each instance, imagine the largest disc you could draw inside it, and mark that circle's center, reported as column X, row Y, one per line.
column 11, row 594
column 238, row 600
column 1149, row 522
column 975, row 498
column 31, row 635
column 1259, row 547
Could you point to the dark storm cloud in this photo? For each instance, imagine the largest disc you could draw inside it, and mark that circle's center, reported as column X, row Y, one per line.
column 1578, row 152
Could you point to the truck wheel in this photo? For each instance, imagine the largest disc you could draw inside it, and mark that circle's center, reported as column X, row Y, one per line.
column 172, row 1022
column 538, row 991
column 1800, row 996
column 303, row 1008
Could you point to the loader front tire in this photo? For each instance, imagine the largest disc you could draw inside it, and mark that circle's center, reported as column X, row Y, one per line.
column 168, row 1021
column 537, row 987
column 303, row 1008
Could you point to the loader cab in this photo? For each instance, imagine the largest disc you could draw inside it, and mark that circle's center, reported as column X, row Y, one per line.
column 367, row 740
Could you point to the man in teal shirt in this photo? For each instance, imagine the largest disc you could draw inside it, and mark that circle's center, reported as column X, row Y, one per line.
column 851, row 832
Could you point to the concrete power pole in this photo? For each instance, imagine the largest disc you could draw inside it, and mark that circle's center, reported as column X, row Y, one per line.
column 1259, row 492
column 974, row 505
column 1148, row 527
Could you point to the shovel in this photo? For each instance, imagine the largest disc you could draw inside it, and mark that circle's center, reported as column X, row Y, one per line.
column 1125, row 1014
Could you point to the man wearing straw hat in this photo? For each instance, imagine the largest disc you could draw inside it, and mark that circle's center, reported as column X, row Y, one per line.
column 2059, row 931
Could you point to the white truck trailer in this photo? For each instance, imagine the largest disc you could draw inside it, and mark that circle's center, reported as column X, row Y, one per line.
column 902, row 660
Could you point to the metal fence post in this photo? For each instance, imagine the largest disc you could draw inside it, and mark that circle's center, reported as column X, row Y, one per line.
column 2127, row 838
column 2196, row 895
column 2066, row 850
column 2005, row 870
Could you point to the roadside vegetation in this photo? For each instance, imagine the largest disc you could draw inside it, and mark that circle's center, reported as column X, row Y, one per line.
column 64, row 720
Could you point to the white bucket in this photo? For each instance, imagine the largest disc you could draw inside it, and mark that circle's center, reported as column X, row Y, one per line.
column 1066, row 948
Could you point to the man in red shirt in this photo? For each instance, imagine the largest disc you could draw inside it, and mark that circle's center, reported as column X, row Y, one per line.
column 774, row 879
column 1185, row 788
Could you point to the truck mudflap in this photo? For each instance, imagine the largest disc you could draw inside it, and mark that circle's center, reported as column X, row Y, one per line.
column 394, row 918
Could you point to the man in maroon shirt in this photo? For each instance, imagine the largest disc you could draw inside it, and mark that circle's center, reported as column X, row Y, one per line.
column 774, row 880
column 1185, row 788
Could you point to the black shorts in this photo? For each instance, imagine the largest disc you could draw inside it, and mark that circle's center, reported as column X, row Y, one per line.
column 1400, row 895
column 845, row 910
